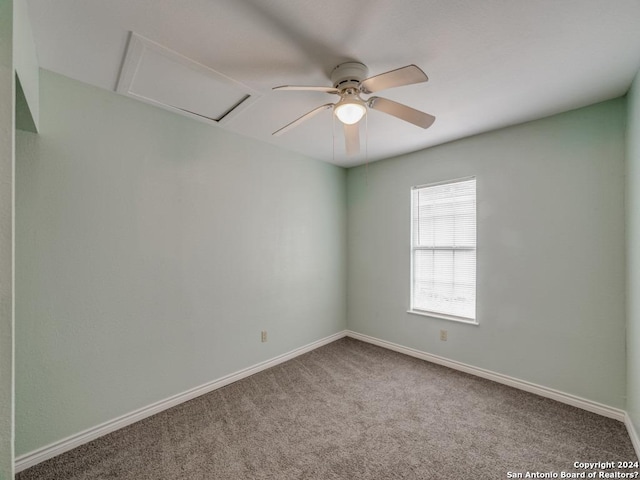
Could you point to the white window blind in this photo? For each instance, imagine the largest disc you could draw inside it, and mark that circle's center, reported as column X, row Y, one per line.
column 443, row 249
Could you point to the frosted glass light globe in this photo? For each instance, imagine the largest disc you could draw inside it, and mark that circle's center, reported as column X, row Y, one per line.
column 350, row 112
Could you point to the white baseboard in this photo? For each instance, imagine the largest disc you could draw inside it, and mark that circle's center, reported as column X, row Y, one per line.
column 562, row 397
column 49, row 451
column 632, row 433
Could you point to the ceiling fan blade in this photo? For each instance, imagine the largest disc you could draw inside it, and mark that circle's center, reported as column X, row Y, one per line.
column 304, row 117
column 401, row 111
column 352, row 138
column 307, row 88
column 395, row 78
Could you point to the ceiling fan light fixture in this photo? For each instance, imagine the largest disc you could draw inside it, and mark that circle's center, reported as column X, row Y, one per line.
column 350, row 111
column 349, row 81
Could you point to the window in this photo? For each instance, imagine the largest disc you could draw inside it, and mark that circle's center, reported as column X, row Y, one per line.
column 443, row 250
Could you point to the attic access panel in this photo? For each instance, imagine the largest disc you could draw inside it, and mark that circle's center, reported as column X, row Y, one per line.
column 157, row 75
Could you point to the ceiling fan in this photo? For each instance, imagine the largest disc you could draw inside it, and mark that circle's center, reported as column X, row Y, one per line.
column 350, row 82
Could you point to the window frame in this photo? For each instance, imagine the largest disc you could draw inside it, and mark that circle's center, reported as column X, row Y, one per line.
column 412, row 248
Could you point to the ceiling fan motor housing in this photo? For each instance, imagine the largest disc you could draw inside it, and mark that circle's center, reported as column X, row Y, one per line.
column 348, row 75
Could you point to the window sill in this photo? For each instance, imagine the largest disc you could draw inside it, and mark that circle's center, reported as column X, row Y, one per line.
column 442, row 316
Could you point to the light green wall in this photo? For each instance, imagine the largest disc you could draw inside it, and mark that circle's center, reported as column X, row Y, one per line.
column 633, row 256
column 152, row 250
column 550, row 276
column 26, row 66
column 7, row 96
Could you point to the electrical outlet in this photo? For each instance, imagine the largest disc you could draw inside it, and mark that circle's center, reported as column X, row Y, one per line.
column 263, row 336
column 443, row 335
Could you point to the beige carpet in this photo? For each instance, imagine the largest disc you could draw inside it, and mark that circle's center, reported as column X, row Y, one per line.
column 350, row 410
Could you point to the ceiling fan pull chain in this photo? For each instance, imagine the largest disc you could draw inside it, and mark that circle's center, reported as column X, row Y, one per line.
column 333, row 134
column 366, row 150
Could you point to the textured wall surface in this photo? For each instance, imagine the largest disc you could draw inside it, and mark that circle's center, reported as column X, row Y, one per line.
column 6, row 238
column 550, row 271
column 152, row 251
column 633, row 256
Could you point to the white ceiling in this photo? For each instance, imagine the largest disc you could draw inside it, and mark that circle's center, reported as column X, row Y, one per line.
column 491, row 63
